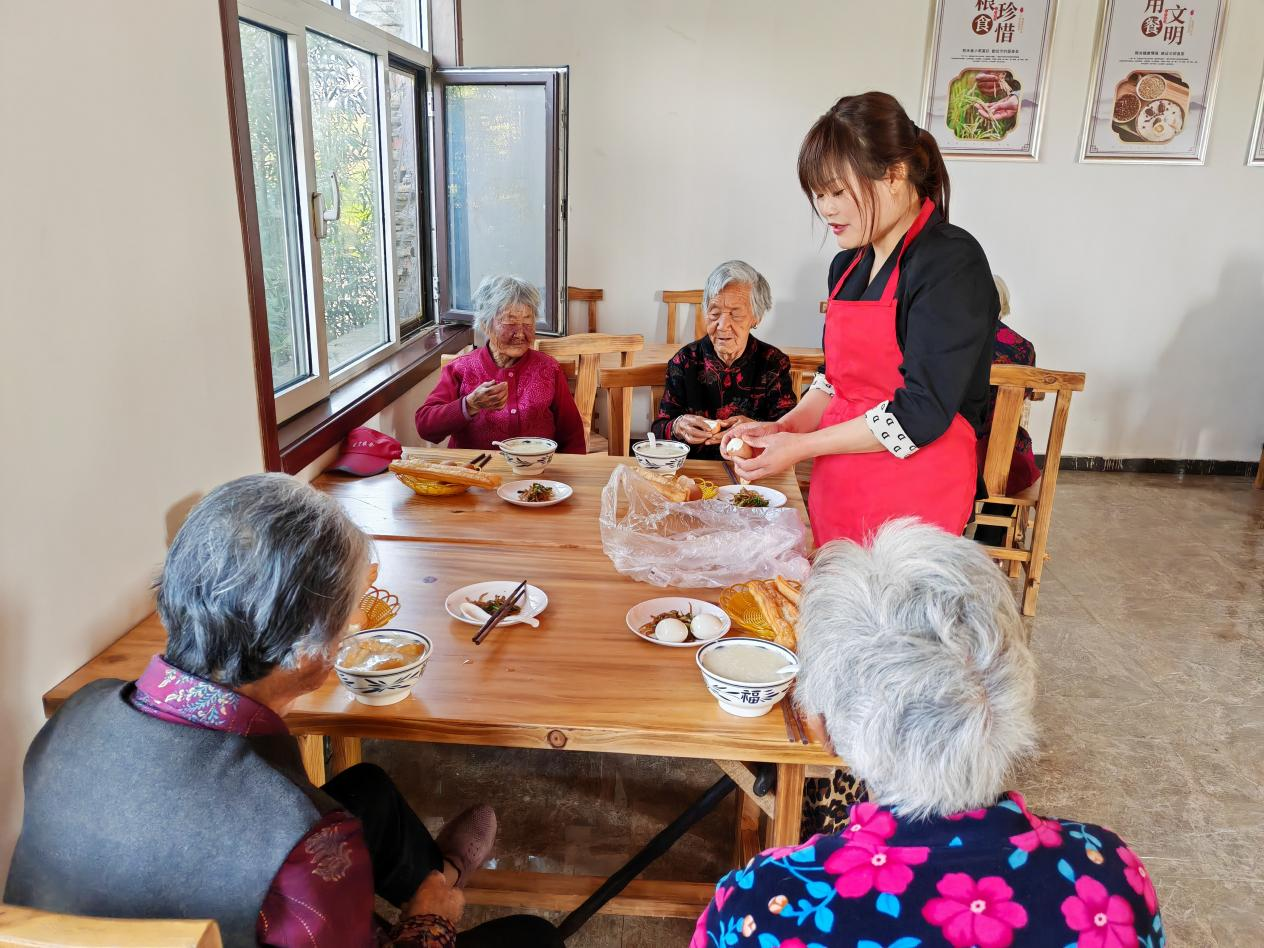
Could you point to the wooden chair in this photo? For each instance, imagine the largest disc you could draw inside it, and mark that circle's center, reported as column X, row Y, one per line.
column 586, row 350
column 31, row 928
column 619, row 384
column 674, row 298
column 576, row 294
column 1034, row 507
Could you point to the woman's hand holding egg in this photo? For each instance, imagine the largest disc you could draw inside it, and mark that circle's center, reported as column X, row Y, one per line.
column 773, row 454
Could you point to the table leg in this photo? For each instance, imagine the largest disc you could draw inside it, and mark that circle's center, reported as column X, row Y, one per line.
column 344, row 752
column 788, row 816
column 746, row 837
column 312, row 748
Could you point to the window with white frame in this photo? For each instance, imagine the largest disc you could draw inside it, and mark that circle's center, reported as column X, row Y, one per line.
column 338, row 99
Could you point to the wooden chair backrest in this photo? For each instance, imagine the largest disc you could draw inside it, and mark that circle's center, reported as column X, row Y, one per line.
column 31, row 928
column 1012, row 384
column 587, row 349
column 674, row 298
column 577, row 294
column 619, row 384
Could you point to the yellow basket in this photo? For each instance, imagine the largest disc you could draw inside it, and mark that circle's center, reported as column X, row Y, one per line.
column 741, row 607
column 379, row 607
column 428, row 488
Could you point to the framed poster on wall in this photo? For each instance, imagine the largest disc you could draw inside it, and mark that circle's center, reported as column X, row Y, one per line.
column 1154, row 81
column 986, row 73
column 1256, row 156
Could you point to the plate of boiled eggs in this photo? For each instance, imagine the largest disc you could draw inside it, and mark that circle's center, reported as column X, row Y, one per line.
column 678, row 622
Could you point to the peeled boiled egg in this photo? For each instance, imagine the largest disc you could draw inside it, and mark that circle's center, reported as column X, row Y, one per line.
column 706, row 626
column 671, row 630
column 737, row 448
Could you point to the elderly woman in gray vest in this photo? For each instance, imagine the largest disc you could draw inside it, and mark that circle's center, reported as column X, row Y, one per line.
column 916, row 667
column 182, row 794
column 727, row 377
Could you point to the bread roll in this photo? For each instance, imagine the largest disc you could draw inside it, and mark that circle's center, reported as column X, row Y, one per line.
column 666, row 484
column 447, row 473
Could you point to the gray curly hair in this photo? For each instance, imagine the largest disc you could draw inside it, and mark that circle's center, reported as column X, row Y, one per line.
column 495, row 294
column 913, row 650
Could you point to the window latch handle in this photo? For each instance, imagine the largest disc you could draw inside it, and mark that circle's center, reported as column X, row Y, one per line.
column 323, row 216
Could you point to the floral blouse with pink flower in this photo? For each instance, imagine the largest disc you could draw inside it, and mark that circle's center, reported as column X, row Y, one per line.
column 986, row 878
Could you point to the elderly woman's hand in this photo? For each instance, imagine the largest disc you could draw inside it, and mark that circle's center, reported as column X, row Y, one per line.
column 490, row 396
column 436, row 896
column 693, row 429
column 725, row 424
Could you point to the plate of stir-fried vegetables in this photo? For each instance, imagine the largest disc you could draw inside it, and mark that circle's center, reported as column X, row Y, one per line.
column 534, row 493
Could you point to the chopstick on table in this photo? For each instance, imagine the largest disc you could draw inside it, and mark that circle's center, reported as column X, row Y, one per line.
column 480, row 462
column 729, row 471
column 796, row 731
column 519, row 592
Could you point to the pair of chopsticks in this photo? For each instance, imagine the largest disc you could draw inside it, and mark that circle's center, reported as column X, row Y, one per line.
column 519, row 592
column 479, row 462
column 729, row 471
column 796, row 731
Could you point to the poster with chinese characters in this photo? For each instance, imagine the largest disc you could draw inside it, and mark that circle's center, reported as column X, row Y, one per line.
column 986, row 76
column 1154, row 81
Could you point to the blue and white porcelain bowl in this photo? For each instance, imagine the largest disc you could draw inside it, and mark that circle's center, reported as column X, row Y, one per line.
column 665, row 456
column 745, row 698
column 527, row 455
column 384, row 687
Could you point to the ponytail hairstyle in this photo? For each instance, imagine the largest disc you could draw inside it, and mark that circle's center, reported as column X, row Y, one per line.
column 859, row 139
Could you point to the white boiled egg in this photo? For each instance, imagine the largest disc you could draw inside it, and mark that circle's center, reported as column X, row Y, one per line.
column 706, row 626
column 671, row 630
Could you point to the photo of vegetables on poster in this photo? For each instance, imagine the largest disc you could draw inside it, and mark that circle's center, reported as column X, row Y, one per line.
column 986, row 76
column 1154, row 81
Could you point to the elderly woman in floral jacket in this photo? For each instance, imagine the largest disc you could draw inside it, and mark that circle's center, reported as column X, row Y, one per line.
column 916, row 667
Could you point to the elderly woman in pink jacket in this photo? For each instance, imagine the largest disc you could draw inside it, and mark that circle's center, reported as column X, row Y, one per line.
column 505, row 389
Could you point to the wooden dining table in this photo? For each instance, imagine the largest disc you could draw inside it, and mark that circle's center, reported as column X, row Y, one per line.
column 582, row 681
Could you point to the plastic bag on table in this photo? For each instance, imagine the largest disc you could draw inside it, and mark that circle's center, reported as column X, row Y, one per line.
column 701, row 543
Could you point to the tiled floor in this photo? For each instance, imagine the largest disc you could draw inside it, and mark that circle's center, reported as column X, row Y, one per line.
column 1151, row 638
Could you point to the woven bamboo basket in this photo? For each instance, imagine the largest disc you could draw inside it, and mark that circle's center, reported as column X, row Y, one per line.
column 379, row 606
column 428, row 488
column 741, row 607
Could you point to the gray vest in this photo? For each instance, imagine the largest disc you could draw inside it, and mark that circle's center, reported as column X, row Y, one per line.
column 129, row 816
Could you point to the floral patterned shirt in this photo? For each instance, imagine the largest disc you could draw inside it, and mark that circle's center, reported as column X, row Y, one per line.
column 322, row 896
column 756, row 385
column 986, row 878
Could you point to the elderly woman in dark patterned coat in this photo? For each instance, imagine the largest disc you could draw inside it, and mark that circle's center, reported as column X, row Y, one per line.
column 200, row 808
column 728, row 376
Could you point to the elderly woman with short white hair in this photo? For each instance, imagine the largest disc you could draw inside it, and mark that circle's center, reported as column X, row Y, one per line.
column 505, row 388
column 917, row 669
column 728, row 376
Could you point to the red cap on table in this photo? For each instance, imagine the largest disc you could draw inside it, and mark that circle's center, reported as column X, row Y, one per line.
column 367, row 452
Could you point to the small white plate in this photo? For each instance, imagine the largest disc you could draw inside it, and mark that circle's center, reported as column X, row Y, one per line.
column 642, row 612
column 535, row 600
column 509, row 492
column 775, row 498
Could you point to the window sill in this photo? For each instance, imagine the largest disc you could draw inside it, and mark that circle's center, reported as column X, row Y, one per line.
column 311, row 433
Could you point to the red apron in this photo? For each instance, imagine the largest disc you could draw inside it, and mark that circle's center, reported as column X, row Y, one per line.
column 852, row 495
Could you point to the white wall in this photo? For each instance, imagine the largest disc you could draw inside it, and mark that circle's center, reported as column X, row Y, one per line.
column 127, row 388
column 686, row 117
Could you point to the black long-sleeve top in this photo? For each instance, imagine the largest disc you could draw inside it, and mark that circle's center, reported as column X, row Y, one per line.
column 947, row 311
